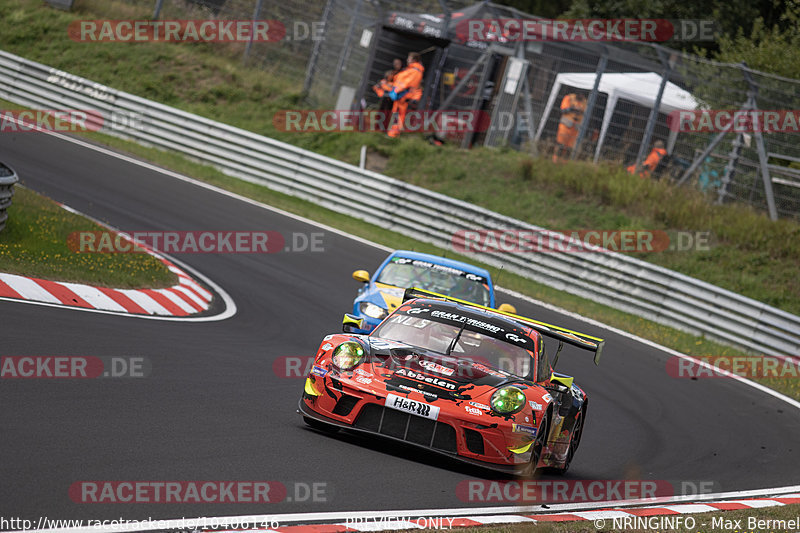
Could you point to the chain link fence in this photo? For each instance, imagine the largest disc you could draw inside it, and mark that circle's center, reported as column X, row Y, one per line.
column 301, row 20
column 338, row 49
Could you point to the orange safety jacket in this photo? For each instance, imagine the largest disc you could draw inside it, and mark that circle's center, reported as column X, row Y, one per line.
column 382, row 88
column 408, row 82
column 650, row 164
column 573, row 117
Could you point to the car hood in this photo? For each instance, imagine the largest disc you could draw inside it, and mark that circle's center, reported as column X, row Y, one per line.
column 387, row 296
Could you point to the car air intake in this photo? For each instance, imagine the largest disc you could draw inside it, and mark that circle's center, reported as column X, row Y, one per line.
column 410, row 428
column 474, row 441
column 345, row 405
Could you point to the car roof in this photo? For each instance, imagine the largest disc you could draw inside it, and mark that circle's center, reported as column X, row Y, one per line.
column 439, row 260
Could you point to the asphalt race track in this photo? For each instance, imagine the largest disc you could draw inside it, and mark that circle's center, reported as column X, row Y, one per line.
column 213, row 409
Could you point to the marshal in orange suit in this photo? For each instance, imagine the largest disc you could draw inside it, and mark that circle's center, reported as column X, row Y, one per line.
column 407, row 88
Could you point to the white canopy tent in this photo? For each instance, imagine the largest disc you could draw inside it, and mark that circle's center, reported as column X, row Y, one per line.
column 638, row 87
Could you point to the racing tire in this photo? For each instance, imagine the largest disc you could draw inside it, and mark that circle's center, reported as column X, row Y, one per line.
column 538, row 445
column 573, row 444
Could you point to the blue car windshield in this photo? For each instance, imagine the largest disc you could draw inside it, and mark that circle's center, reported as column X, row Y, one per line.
column 405, row 273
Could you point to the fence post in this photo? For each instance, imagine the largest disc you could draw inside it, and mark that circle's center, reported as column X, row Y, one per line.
column 432, row 90
column 256, row 14
column 157, row 10
column 526, row 101
column 763, row 161
column 312, row 61
column 346, row 47
column 587, row 115
column 733, row 160
column 651, row 121
column 476, row 103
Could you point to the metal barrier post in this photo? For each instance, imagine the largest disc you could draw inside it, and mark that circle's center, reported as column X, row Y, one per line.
column 256, row 14
column 587, row 115
column 312, row 61
column 651, row 121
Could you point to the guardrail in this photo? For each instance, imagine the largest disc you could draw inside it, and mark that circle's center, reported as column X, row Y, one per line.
column 616, row 280
column 8, row 178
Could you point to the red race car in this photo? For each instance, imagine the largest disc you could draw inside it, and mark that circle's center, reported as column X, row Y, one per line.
column 456, row 378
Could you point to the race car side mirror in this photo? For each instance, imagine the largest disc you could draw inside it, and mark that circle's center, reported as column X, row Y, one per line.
column 562, row 379
column 361, row 275
column 352, row 323
column 507, row 308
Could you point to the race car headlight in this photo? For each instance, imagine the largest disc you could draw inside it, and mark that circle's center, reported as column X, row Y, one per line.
column 508, row 400
column 372, row 310
column 347, row 355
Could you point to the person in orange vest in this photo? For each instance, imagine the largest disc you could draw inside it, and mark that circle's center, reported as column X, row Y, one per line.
column 406, row 90
column 652, row 160
column 382, row 89
column 573, row 106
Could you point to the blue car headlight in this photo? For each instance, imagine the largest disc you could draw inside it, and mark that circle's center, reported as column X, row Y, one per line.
column 372, row 310
column 347, row 355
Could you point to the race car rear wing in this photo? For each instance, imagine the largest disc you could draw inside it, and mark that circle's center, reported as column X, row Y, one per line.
column 562, row 335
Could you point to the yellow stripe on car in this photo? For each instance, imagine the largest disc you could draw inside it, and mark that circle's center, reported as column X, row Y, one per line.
column 310, row 388
column 522, row 449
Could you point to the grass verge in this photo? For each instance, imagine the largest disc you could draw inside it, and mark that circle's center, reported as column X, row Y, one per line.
column 35, row 243
column 751, row 255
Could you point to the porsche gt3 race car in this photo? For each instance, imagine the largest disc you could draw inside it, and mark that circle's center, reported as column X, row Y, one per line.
column 403, row 269
column 455, row 378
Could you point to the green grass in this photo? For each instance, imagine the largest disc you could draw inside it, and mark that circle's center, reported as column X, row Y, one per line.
column 703, row 523
column 751, row 255
column 35, row 243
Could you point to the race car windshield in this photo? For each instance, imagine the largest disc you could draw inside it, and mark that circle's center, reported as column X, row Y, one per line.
column 471, row 345
column 407, row 273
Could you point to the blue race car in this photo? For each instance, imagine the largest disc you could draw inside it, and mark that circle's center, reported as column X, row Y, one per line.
column 403, row 269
